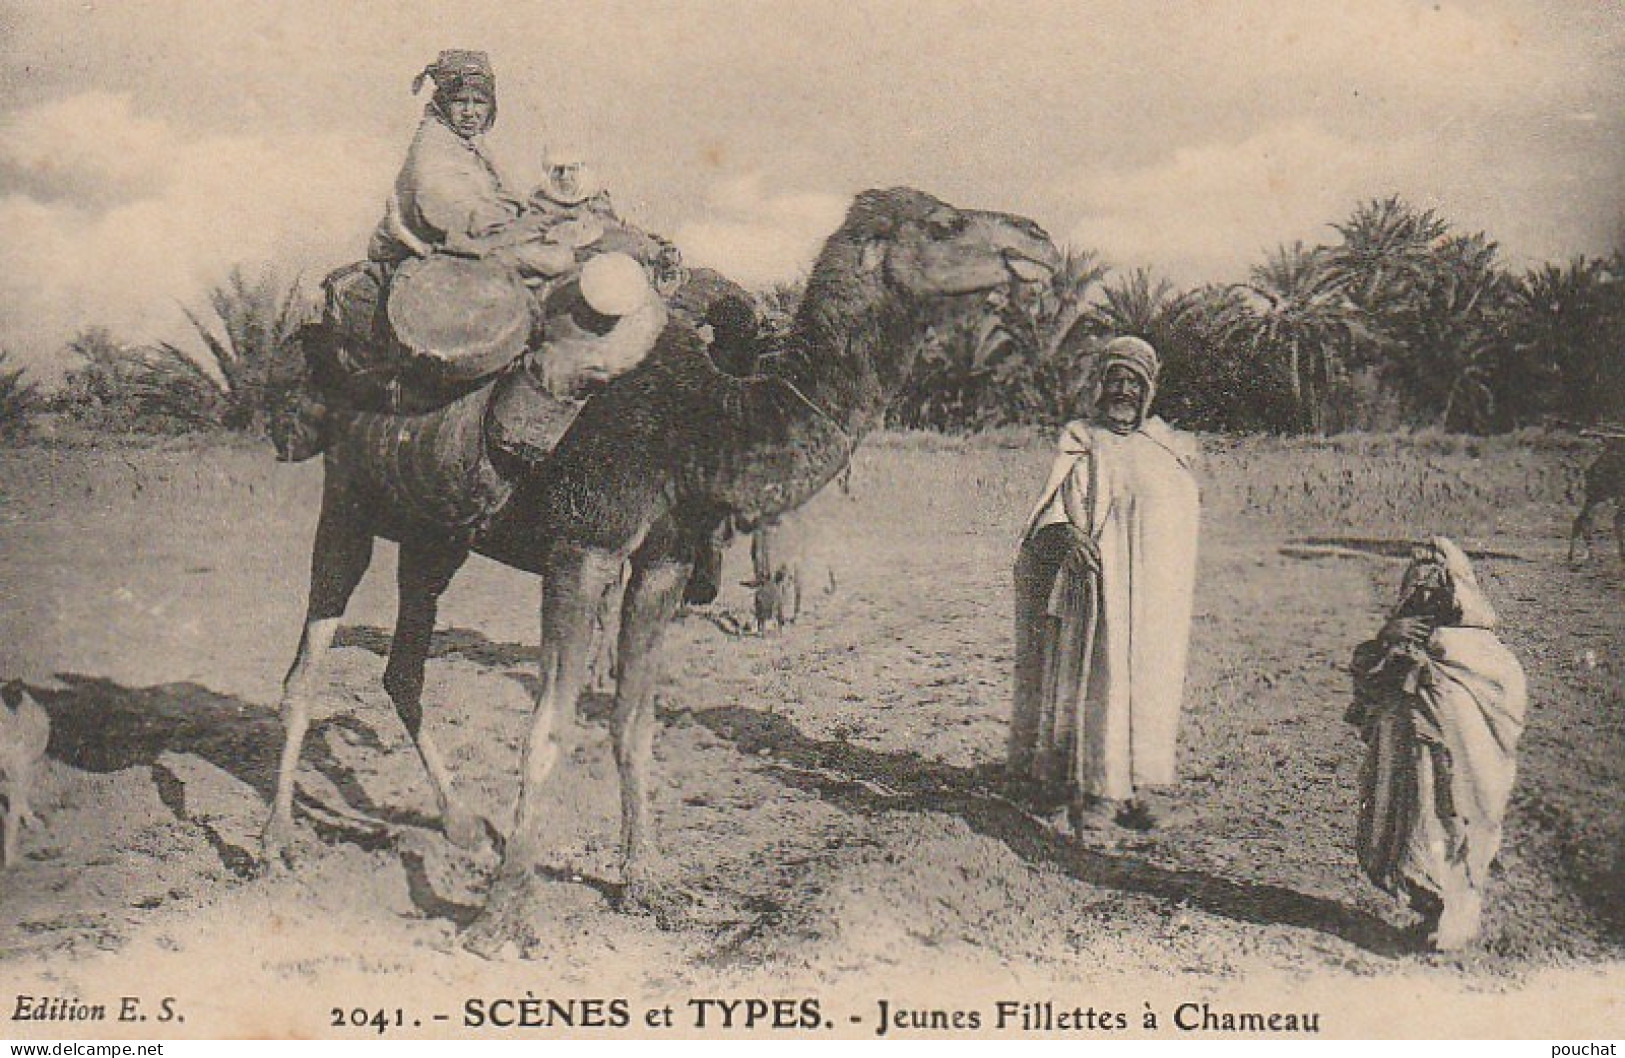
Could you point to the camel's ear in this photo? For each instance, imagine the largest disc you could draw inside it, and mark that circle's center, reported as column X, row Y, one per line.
column 945, row 221
column 873, row 215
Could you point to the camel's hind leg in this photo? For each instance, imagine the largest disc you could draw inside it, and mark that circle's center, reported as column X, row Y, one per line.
column 426, row 569
column 573, row 584
column 339, row 558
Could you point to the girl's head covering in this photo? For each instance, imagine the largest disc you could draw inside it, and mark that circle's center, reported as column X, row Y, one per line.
column 456, row 71
column 1440, row 583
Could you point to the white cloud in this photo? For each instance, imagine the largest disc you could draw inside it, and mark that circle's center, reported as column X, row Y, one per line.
column 758, row 238
column 138, row 219
column 91, row 148
column 1204, row 212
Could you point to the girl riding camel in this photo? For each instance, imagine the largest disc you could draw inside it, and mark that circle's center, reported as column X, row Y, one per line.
column 449, row 195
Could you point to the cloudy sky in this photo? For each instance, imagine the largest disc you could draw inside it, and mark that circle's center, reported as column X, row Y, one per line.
column 146, row 146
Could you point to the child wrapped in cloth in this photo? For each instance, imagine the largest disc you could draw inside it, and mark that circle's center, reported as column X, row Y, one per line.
column 1440, row 703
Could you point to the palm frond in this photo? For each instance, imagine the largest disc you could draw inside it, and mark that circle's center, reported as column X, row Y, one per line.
column 19, row 400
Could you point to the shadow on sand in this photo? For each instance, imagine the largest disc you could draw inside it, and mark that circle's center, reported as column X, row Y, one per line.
column 1378, row 547
column 100, row 726
column 864, row 781
column 467, row 643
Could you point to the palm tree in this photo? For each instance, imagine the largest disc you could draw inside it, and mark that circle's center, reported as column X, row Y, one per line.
column 1144, row 305
column 96, row 390
column 119, row 386
column 1434, row 308
column 948, row 388
column 1387, row 245
column 1293, row 308
column 1450, row 334
column 166, row 387
column 259, row 318
column 18, row 401
column 1030, row 339
column 1063, row 304
column 1004, row 357
column 1203, row 383
column 1566, row 327
column 229, row 385
column 1213, row 380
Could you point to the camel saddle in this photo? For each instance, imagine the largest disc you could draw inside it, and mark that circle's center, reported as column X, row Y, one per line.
column 523, row 421
column 472, row 390
column 417, row 336
column 451, row 467
column 460, row 319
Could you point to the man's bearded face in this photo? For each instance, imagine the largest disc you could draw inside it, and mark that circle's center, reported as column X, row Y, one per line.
column 1122, row 393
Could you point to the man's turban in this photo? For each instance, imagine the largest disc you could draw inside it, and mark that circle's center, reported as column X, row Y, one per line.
column 1134, row 353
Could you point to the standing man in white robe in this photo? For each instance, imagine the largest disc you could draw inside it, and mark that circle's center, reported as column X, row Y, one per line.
column 1104, row 586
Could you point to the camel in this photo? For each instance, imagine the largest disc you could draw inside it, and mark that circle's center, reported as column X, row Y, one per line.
column 656, row 462
column 1604, row 481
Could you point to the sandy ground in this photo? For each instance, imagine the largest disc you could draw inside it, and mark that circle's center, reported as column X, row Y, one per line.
column 823, row 792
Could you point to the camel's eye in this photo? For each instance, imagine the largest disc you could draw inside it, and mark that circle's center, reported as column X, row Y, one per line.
column 945, row 222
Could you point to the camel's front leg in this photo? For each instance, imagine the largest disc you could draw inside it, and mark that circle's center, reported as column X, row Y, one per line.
column 572, row 587
column 339, row 559
column 18, row 815
column 652, row 598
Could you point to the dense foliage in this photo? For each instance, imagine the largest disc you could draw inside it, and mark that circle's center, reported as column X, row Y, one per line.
column 1402, row 321
column 230, row 384
column 18, row 400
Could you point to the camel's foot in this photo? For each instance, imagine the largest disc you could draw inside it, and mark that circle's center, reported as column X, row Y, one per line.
column 508, row 923
column 466, row 829
column 671, row 905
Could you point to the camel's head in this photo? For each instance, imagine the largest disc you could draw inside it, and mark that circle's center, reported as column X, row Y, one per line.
column 927, row 248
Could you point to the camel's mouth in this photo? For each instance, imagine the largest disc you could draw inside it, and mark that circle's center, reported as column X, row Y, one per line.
column 1026, row 269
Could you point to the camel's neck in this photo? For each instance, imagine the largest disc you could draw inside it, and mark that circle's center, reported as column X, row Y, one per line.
column 850, row 353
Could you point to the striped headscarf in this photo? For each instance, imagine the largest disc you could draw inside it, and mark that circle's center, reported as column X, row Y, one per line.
column 456, row 71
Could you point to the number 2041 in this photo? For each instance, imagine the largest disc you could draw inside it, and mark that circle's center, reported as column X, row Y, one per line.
column 362, row 1018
